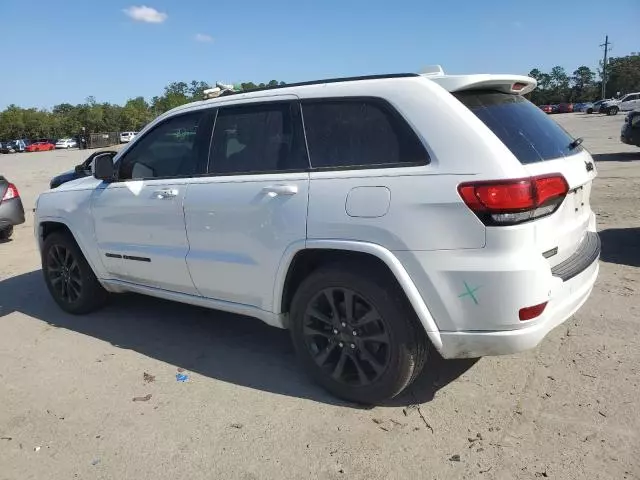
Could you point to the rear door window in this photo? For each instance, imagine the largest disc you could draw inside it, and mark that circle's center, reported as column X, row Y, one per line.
column 263, row 138
column 525, row 129
column 359, row 133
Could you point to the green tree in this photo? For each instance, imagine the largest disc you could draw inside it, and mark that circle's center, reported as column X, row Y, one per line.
column 623, row 75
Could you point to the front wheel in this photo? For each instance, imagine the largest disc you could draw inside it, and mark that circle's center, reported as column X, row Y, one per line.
column 5, row 233
column 68, row 276
column 612, row 111
column 356, row 334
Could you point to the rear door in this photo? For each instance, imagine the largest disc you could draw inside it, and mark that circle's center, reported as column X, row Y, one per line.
column 543, row 147
column 252, row 206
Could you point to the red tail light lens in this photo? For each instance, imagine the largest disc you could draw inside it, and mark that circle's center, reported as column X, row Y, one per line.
column 529, row 313
column 509, row 202
column 12, row 192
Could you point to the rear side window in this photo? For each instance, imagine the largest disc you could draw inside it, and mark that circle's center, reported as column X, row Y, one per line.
column 258, row 139
column 525, row 129
column 359, row 133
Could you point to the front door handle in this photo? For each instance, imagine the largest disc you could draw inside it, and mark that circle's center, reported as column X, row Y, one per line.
column 275, row 190
column 165, row 193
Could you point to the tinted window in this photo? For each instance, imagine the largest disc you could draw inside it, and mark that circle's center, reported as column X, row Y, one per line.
column 172, row 149
column 257, row 139
column 353, row 133
column 527, row 131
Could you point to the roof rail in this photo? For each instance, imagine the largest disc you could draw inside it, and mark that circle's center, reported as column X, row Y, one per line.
column 327, row 80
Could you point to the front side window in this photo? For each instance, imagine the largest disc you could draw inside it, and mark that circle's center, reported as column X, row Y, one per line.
column 172, row 149
column 257, row 139
column 359, row 133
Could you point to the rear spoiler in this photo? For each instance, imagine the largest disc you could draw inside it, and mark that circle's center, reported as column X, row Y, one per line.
column 518, row 84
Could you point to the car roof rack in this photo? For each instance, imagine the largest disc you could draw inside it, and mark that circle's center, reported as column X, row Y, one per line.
column 320, row 82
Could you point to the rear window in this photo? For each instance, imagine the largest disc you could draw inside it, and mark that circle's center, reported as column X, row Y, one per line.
column 525, row 129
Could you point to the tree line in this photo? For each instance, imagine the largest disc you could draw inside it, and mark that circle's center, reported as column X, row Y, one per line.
column 66, row 119
column 585, row 85
column 556, row 86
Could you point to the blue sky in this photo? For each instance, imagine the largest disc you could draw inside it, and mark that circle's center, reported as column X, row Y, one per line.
column 65, row 50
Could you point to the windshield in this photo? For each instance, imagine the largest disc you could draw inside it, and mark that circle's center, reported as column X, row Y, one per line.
column 524, row 129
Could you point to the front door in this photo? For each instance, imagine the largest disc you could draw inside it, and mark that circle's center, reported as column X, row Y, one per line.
column 242, row 217
column 139, row 219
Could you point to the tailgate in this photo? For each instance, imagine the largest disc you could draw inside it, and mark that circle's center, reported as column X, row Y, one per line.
column 559, row 235
column 543, row 148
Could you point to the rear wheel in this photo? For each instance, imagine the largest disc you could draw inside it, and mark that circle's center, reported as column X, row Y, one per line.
column 589, row 110
column 356, row 334
column 612, row 111
column 68, row 276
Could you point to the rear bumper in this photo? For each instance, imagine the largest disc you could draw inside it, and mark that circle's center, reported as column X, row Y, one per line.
column 563, row 304
column 474, row 296
column 11, row 213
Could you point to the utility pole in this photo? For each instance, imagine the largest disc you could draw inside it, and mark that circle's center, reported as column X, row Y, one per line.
column 604, row 66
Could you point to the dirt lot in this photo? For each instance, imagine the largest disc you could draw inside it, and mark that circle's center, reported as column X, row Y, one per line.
column 97, row 396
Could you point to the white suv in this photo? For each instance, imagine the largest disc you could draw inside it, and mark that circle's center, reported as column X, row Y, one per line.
column 374, row 217
column 126, row 137
column 628, row 103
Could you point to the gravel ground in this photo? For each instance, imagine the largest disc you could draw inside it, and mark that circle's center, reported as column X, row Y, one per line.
column 97, row 396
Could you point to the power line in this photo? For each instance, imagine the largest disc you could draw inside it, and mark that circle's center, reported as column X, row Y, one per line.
column 604, row 66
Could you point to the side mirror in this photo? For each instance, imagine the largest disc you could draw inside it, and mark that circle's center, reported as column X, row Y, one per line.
column 102, row 167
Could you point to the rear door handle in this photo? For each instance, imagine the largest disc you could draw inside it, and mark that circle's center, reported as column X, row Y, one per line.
column 165, row 193
column 275, row 190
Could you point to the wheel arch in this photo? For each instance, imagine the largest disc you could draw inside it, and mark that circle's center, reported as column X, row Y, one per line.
column 49, row 225
column 303, row 257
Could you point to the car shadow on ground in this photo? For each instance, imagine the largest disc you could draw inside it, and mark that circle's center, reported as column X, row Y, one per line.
column 616, row 157
column 227, row 347
column 621, row 246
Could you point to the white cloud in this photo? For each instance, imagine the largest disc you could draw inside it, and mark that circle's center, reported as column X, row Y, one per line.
column 145, row 14
column 203, row 37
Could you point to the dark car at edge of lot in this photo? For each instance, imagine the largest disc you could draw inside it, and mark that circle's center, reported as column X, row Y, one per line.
column 630, row 133
column 80, row 171
column 11, row 209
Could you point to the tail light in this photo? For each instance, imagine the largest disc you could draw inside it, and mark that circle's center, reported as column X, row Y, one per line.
column 12, row 192
column 509, row 202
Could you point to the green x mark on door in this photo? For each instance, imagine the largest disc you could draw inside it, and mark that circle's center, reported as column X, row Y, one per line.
column 469, row 292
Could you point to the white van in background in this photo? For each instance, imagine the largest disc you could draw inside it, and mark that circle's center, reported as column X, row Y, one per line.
column 126, row 137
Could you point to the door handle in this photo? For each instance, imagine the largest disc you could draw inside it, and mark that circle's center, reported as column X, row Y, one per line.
column 165, row 193
column 275, row 190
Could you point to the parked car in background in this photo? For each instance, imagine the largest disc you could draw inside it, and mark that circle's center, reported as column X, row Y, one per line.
column 11, row 209
column 15, row 146
column 630, row 133
column 546, row 108
column 581, row 107
column 126, row 137
column 629, row 102
column 80, row 171
column 565, row 108
column 41, row 146
column 66, row 143
column 596, row 107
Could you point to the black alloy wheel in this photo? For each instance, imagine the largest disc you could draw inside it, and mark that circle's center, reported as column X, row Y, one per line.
column 64, row 273
column 347, row 337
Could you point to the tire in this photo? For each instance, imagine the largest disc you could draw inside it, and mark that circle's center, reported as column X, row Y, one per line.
column 5, row 233
column 65, row 268
column 612, row 111
column 372, row 370
column 589, row 110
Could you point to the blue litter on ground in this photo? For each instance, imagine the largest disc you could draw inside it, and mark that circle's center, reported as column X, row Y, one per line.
column 181, row 377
